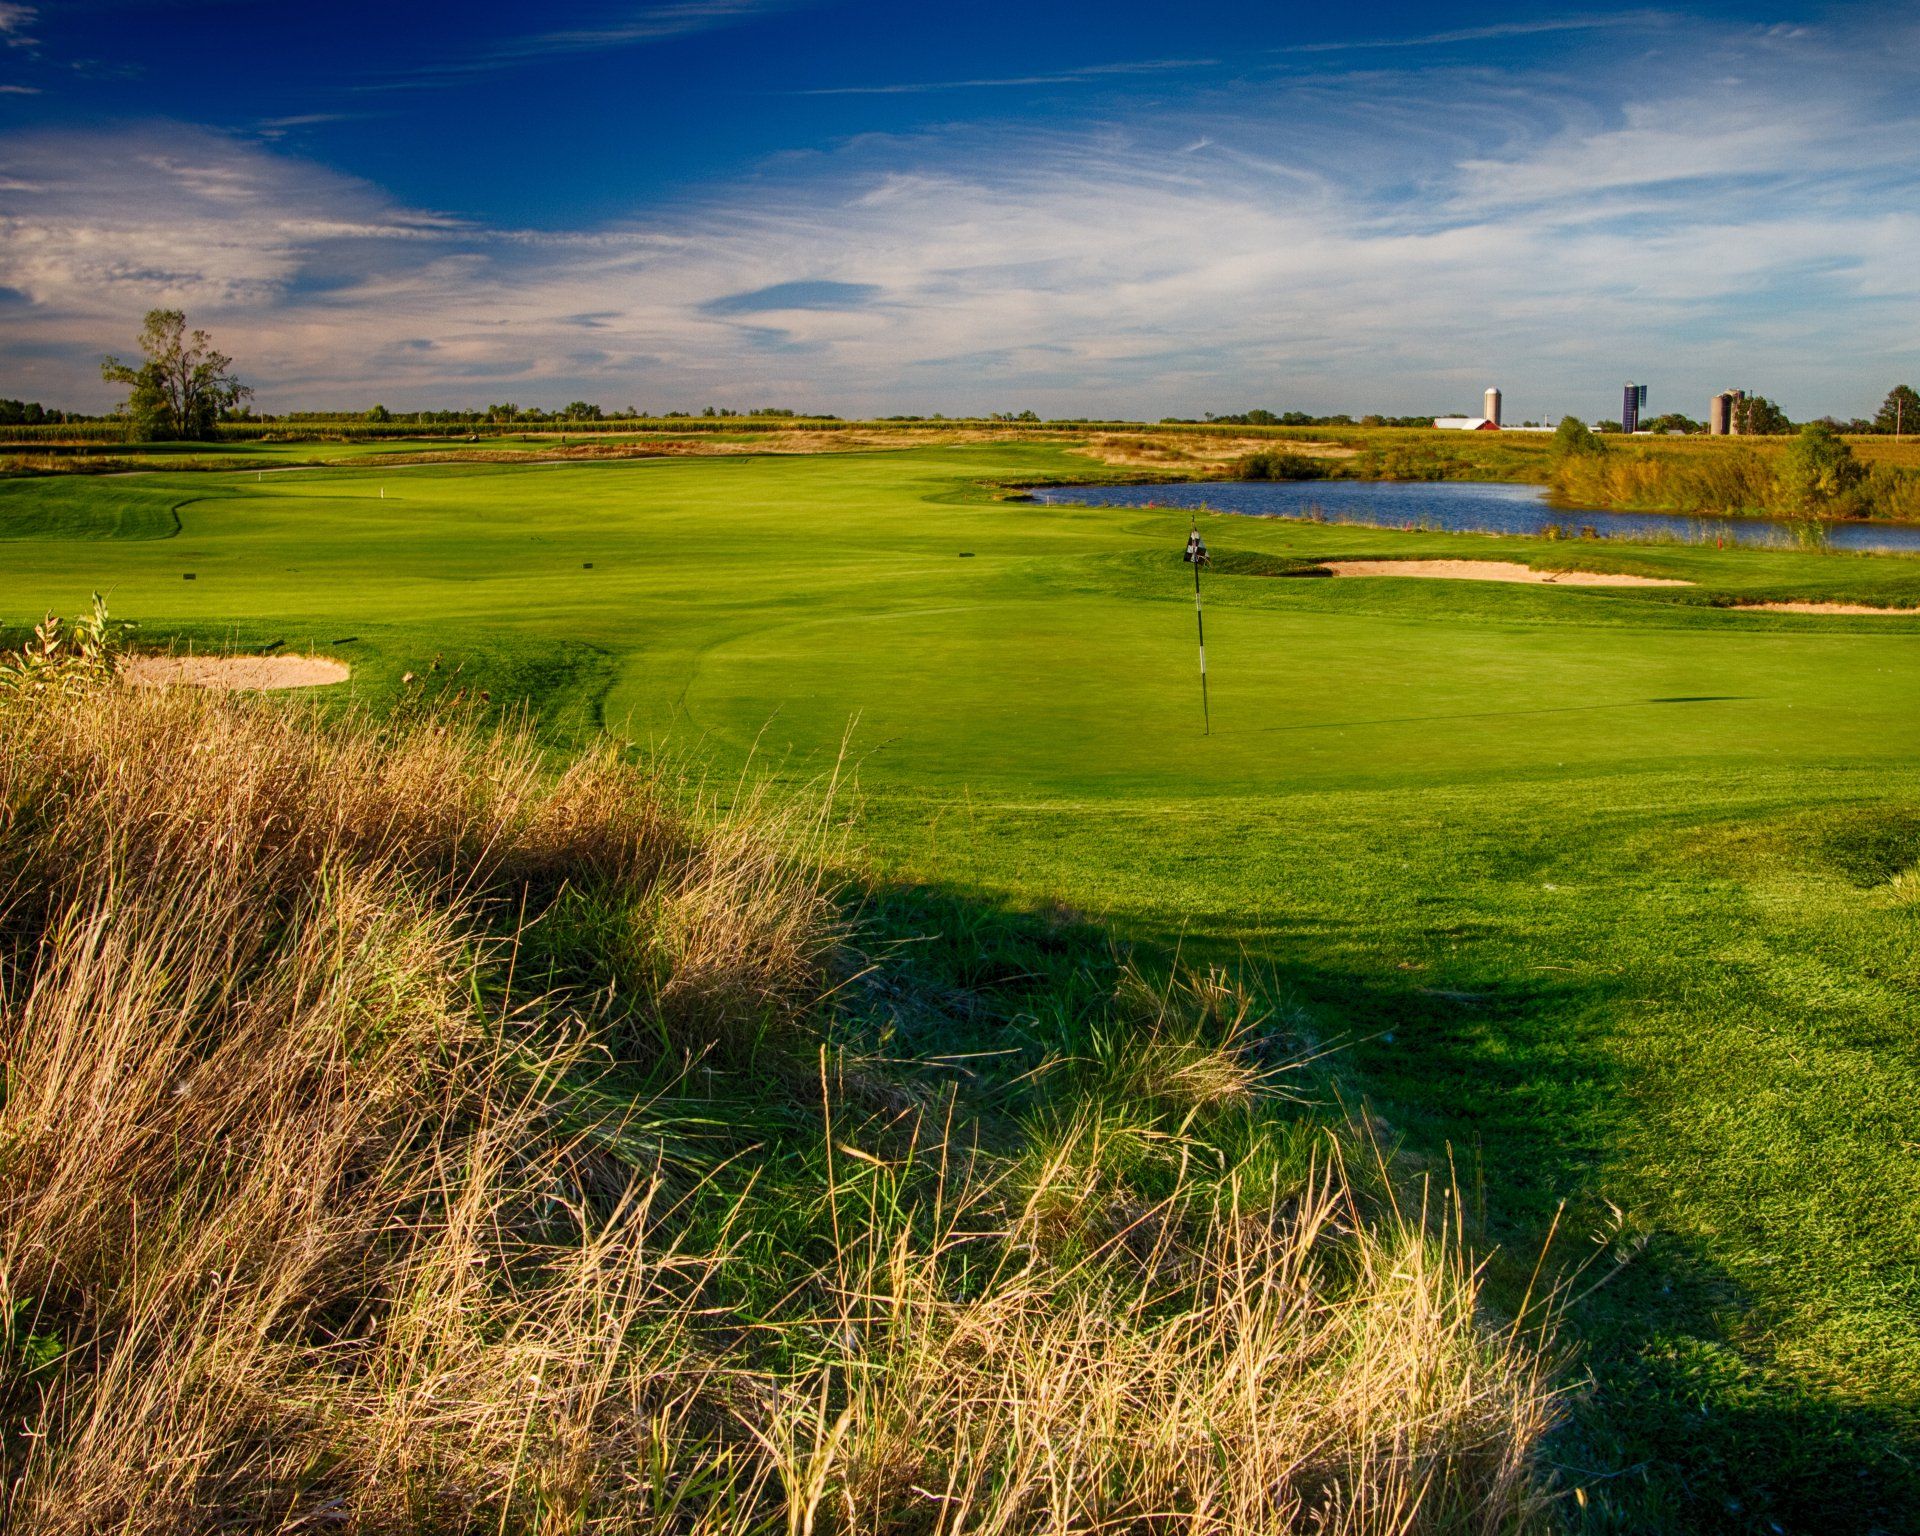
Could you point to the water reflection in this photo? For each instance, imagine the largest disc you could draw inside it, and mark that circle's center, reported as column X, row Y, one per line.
column 1475, row 507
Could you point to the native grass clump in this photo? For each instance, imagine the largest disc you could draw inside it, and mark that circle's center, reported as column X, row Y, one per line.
column 1813, row 475
column 402, row 1135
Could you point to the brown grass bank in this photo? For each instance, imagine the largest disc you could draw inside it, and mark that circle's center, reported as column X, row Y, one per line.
column 402, row 1136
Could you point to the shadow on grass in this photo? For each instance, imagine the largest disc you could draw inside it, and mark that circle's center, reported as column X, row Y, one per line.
column 1504, row 1087
column 1500, row 714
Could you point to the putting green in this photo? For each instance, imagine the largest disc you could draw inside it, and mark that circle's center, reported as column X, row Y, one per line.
column 1604, row 890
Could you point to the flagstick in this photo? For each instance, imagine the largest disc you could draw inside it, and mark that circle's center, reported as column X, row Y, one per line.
column 1200, row 623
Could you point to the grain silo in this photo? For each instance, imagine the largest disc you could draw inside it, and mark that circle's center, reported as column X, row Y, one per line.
column 1633, row 400
column 1723, row 413
column 1491, row 410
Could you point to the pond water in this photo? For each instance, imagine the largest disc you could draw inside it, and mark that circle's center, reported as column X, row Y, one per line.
column 1456, row 506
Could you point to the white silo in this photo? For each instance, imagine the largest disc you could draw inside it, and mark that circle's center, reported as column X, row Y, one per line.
column 1492, row 407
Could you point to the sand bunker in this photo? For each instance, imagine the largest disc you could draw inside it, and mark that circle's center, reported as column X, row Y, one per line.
column 1495, row 570
column 233, row 672
column 1898, row 613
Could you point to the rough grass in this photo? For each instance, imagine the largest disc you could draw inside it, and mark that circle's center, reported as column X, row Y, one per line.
column 327, row 1198
column 1733, row 481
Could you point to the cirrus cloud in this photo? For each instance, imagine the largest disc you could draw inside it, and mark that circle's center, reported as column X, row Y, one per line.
column 1716, row 213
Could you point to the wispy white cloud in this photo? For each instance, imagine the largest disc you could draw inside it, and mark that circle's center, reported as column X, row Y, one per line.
column 1074, row 76
column 191, row 217
column 645, row 24
column 1738, row 213
column 1492, row 32
column 625, row 26
column 306, row 120
column 14, row 21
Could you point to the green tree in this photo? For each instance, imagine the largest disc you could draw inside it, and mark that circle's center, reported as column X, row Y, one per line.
column 1573, row 436
column 1760, row 417
column 379, row 413
column 580, row 410
column 1900, row 412
column 1818, row 469
column 182, row 388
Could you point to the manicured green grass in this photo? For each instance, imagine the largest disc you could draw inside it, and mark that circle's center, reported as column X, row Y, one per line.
column 70, row 508
column 1603, row 894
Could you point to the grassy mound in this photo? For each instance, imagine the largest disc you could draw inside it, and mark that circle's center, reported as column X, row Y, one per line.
column 400, row 1135
column 71, row 508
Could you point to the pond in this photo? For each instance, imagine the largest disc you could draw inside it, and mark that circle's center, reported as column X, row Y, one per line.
column 1456, row 506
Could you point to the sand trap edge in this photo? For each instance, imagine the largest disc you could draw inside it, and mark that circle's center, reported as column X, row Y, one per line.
column 1858, row 610
column 1495, row 570
column 227, row 674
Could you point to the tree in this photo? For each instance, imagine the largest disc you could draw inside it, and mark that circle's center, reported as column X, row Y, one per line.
column 28, row 413
column 581, row 410
column 1674, row 421
column 1818, row 469
column 1900, row 412
column 183, row 388
column 1573, row 436
column 379, row 413
column 1760, row 417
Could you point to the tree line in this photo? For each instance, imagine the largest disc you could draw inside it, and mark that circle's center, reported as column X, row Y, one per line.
column 182, row 387
column 509, row 414
column 1261, row 417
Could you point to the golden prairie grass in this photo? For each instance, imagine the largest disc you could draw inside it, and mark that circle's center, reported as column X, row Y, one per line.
column 1721, row 477
column 317, row 1213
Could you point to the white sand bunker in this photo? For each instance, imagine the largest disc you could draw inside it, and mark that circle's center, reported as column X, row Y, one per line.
column 233, row 672
column 1897, row 613
column 1496, row 570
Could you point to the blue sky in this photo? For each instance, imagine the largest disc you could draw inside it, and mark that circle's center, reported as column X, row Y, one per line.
column 1118, row 209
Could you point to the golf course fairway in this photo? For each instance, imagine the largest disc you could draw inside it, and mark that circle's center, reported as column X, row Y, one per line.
column 1605, row 900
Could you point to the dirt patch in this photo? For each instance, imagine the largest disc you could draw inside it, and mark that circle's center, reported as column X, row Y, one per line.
column 1861, row 608
column 1168, row 450
column 1495, row 570
column 667, row 445
column 226, row 673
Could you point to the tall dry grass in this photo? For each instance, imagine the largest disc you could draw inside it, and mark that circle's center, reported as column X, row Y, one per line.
column 314, row 1213
column 1732, row 482
column 1722, row 480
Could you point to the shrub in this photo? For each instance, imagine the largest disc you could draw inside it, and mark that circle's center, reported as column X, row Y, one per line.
column 1818, row 471
column 1278, row 464
column 1573, row 438
column 66, row 653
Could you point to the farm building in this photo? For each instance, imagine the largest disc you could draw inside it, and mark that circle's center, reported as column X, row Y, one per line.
column 1466, row 424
